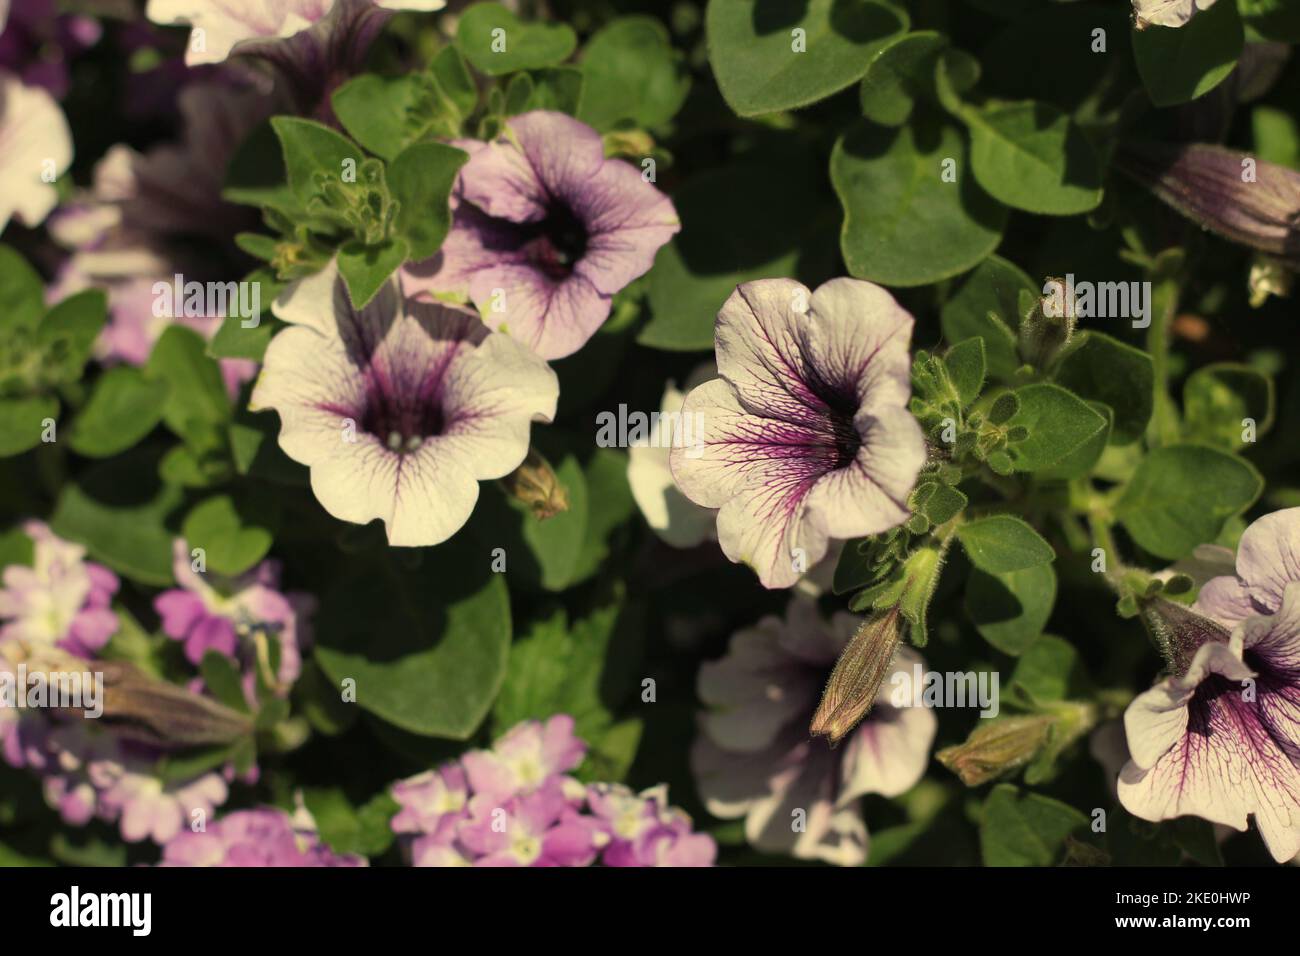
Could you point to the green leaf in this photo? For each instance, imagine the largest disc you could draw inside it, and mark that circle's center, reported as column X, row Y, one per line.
column 1103, row 369
column 1031, row 156
column 1178, row 64
column 454, row 82
column 495, row 41
column 221, row 679
column 376, row 112
column 1219, row 399
column 197, row 400
column 1011, row 609
column 345, row 828
column 1001, row 543
column 760, row 65
column 631, row 73
column 118, row 510
column 68, row 331
column 1050, row 669
column 309, row 148
column 1022, row 828
column 16, row 548
column 986, row 304
column 965, row 364
column 22, row 293
column 897, row 205
column 1181, row 496
column 22, row 422
column 365, row 269
column 1059, row 423
column 233, row 539
column 727, row 238
column 421, row 178
column 899, row 74
column 236, row 340
column 123, row 407
column 427, row 647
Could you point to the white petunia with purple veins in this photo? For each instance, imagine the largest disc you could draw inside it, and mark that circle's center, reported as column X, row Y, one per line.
column 544, row 231
column 1220, row 738
column 401, row 408
column 807, row 435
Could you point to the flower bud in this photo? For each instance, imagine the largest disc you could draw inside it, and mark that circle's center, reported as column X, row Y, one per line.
column 140, row 707
column 535, row 484
column 1243, row 199
column 857, row 677
column 995, row 747
column 1048, row 327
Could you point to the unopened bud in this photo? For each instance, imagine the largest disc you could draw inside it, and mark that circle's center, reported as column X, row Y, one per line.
column 140, row 707
column 1268, row 276
column 1048, row 327
column 996, row 747
column 1233, row 194
column 857, row 677
column 535, row 484
column 633, row 143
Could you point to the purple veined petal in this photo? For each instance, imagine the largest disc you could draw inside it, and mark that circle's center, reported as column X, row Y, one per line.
column 180, row 610
column 857, row 336
column 229, row 23
column 562, row 153
column 1268, row 556
column 1270, row 646
column 1224, row 766
column 627, row 222
column 500, row 181
column 553, row 317
column 758, row 338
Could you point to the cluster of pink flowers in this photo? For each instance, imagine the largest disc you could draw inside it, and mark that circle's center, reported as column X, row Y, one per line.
column 264, row 837
column 516, row 805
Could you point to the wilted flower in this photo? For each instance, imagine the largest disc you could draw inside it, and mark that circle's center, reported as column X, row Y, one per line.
column 236, row 618
column 241, row 26
column 544, row 231
column 35, row 149
column 401, row 408
column 62, row 600
column 1220, row 737
column 1166, row 13
column 754, row 758
column 1239, row 197
column 807, row 435
column 254, row 838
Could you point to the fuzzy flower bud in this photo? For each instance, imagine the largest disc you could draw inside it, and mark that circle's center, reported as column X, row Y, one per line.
column 857, row 676
column 995, row 748
column 535, row 484
column 1232, row 194
column 1048, row 327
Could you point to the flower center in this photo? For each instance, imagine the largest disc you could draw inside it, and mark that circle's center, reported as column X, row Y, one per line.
column 557, row 243
column 402, row 426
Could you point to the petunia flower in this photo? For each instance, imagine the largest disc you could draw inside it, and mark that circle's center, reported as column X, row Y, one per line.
column 208, row 613
column 544, row 231
column 35, row 149
column 264, row 837
column 1167, row 13
column 643, row 830
column 1220, row 737
column 62, row 600
column 401, row 408
column 807, row 435
column 754, row 758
